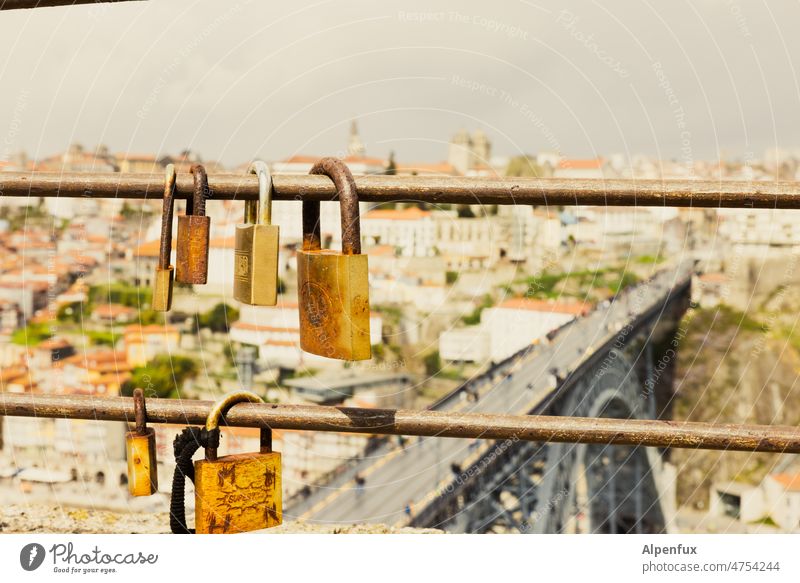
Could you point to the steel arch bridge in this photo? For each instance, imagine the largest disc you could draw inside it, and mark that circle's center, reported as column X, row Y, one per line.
column 623, row 367
column 564, row 487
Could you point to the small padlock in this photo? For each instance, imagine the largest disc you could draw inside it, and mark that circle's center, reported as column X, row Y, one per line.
column 140, row 446
column 237, row 493
column 255, row 278
column 334, row 287
column 162, row 284
column 193, row 233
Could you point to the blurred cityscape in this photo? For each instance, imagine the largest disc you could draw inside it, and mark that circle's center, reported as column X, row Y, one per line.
column 453, row 289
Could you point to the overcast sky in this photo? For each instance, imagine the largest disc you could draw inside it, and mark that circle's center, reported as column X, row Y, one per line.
column 237, row 80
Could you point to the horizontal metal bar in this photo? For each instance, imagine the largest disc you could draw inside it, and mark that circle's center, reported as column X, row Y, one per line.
column 18, row 4
column 429, row 423
column 431, row 189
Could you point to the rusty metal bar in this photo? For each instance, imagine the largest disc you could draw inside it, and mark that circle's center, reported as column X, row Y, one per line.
column 19, row 4
column 430, row 423
column 431, row 189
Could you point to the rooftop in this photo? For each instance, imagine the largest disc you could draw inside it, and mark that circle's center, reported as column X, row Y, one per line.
column 574, row 308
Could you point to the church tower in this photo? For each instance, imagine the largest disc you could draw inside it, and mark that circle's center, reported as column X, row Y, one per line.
column 355, row 147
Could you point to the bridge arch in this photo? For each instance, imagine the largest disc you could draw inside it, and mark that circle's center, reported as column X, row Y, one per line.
column 596, row 487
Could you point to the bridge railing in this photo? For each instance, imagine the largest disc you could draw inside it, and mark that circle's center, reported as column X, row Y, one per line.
column 544, row 428
column 430, row 189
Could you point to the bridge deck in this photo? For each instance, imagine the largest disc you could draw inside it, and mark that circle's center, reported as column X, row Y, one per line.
column 396, row 478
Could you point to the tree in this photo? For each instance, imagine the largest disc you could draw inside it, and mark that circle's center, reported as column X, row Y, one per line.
column 31, row 335
column 475, row 317
column 391, row 167
column 524, row 166
column 433, row 363
column 73, row 312
column 219, row 318
column 121, row 293
column 163, row 376
column 465, row 212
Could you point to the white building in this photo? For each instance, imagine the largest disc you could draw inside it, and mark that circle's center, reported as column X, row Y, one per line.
column 411, row 231
column 592, row 168
column 756, row 230
column 466, row 243
column 508, row 328
column 777, row 498
column 471, row 344
column 782, row 497
column 288, row 214
column 275, row 331
column 518, row 322
column 468, row 153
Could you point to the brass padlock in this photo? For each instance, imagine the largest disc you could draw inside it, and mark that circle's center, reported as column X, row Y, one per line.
column 193, row 233
column 140, row 446
column 237, row 493
column 334, row 287
column 162, row 284
column 255, row 278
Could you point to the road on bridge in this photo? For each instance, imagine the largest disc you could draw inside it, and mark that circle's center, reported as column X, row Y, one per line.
column 411, row 476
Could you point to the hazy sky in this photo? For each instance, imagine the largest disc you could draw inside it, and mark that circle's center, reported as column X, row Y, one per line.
column 237, row 80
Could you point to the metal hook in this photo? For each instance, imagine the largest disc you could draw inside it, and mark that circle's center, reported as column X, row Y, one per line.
column 140, row 411
column 165, row 249
column 265, row 192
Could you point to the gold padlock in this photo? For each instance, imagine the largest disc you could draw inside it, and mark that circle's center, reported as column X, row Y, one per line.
column 140, row 446
column 162, row 283
column 193, row 233
column 237, row 493
column 334, row 287
column 255, row 278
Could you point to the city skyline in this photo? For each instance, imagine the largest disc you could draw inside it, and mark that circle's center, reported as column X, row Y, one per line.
column 673, row 82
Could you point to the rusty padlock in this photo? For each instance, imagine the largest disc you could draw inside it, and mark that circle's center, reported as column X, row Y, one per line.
column 333, row 286
column 140, row 446
column 237, row 493
column 255, row 278
column 162, row 283
column 193, row 233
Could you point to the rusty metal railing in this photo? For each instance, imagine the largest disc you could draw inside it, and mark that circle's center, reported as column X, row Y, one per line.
column 19, row 4
column 538, row 428
column 430, row 189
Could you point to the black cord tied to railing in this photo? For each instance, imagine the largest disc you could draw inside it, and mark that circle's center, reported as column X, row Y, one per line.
column 185, row 445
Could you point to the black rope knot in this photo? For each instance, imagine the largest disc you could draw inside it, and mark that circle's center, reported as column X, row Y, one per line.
column 210, row 438
column 185, row 445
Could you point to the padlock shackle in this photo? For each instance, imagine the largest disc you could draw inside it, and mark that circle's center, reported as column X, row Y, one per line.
column 260, row 211
column 139, row 411
column 197, row 204
column 312, row 235
column 167, row 211
column 223, row 406
column 342, row 178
